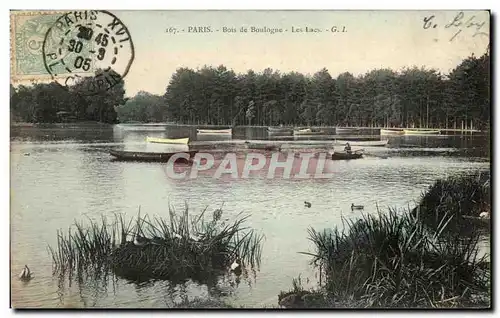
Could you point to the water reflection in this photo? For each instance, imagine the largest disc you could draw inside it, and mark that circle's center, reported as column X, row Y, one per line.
column 213, row 137
column 69, row 175
column 99, row 290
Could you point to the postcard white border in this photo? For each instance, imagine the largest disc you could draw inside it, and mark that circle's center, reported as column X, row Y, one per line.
column 197, row 5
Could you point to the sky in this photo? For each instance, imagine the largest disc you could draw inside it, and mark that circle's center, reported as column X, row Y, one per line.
column 371, row 40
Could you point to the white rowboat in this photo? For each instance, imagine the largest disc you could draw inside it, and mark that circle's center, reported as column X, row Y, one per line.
column 367, row 143
column 421, row 132
column 215, row 131
column 182, row 141
column 392, row 132
column 307, row 132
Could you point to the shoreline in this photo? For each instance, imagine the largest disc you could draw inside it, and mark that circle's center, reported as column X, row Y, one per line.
column 92, row 123
column 62, row 125
column 299, row 127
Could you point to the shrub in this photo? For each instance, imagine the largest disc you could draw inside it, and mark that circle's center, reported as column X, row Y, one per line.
column 392, row 260
column 176, row 250
column 459, row 196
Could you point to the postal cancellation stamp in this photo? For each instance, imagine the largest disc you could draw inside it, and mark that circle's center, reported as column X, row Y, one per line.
column 66, row 47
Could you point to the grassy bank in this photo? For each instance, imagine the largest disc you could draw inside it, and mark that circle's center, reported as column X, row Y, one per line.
column 404, row 259
column 176, row 249
column 460, row 198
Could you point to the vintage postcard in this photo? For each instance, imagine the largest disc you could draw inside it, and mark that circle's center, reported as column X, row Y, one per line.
column 250, row 159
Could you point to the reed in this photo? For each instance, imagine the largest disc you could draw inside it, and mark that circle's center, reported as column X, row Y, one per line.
column 393, row 260
column 466, row 195
column 180, row 248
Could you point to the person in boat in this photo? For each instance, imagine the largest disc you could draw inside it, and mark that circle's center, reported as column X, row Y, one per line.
column 347, row 148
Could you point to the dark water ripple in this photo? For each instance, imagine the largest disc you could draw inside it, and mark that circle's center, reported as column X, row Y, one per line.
column 68, row 175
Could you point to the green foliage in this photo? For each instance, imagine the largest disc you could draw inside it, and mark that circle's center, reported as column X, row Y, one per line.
column 417, row 97
column 468, row 94
column 50, row 103
column 183, row 247
column 298, row 297
column 143, row 107
column 467, row 195
column 414, row 96
column 204, row 96
column 250, row 111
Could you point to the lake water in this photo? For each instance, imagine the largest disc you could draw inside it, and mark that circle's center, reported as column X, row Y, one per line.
column 69, row 175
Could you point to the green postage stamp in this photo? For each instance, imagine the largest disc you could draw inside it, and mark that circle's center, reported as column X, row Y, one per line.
column 66, row 46
column 28, row 30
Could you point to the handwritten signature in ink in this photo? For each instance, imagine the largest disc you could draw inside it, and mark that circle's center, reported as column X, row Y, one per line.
column 458, row 24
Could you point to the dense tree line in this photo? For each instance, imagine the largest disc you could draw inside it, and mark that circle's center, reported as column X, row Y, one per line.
column 418, row 97
column 52, row 103
column 143, row 107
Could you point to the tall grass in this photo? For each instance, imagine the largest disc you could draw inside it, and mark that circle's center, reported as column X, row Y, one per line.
column 392, row 260
column 182, row 247
column 467, row 195
column 86, row 247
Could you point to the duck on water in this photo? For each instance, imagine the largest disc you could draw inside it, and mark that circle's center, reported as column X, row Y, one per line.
column 25, row 273
column 357, row 207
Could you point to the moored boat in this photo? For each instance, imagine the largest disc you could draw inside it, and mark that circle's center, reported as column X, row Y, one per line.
column 149, row 156
column 215, row 131
column 421, row 131
column 391, row 131
column 367, row 143
column 346, row 155
column 307, row 132
column 181, row 141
